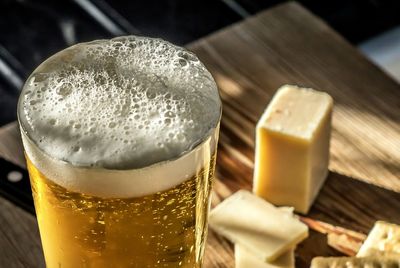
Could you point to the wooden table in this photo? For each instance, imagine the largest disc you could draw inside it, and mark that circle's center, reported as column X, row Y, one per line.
column 249, row 61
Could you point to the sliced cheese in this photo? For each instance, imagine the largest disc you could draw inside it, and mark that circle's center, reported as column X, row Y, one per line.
column 383, row 240
column 245, row 259
column 292, row 147
column 352, row 262
column 258, row 226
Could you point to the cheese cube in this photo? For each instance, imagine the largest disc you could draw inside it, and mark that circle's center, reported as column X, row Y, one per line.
column 292, row 147
column 264, row 230
column 244, row 259
column 347, row 262
column 383, row 240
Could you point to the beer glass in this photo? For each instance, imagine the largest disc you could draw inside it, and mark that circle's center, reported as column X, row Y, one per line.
column 120, row 139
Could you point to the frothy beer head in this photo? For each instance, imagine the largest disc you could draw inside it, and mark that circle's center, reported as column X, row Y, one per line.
column 130, row 106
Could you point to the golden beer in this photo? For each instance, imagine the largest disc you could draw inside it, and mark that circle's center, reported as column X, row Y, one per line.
column 121, row 154
column 157, row 230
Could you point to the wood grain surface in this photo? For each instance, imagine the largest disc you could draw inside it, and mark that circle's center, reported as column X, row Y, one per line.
column 288, row 45
column 20, row 245
column 249, row 61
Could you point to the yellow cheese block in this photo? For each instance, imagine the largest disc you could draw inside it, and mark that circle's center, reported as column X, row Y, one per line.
column 244, row 259
column 383, row 240
column 264, row 230
column 292, row 147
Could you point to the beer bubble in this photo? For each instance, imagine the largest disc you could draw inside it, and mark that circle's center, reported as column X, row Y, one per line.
column 182, row 62
column 169, row 114
column 39, row 77
column 64, row 90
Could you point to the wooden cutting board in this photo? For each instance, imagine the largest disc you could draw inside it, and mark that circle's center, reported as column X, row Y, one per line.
column 289, row 45
column 249, row 61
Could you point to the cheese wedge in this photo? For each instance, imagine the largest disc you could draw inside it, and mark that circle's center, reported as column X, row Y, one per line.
column 258, row 226
column 383, row 240
column 352, row 262
column 244, row 259
column 292, row 147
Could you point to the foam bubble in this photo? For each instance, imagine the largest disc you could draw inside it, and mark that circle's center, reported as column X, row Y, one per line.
column 121, row 104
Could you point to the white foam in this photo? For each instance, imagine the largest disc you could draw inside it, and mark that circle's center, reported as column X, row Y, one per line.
column 126, row 114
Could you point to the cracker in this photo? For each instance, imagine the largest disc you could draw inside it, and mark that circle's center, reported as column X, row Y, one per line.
column 383, row 240
column 353, row 262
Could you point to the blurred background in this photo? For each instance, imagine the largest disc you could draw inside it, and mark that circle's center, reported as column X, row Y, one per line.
column 32, row 30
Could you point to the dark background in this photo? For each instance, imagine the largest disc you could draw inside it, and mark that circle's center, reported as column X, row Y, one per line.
column 30, row 31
